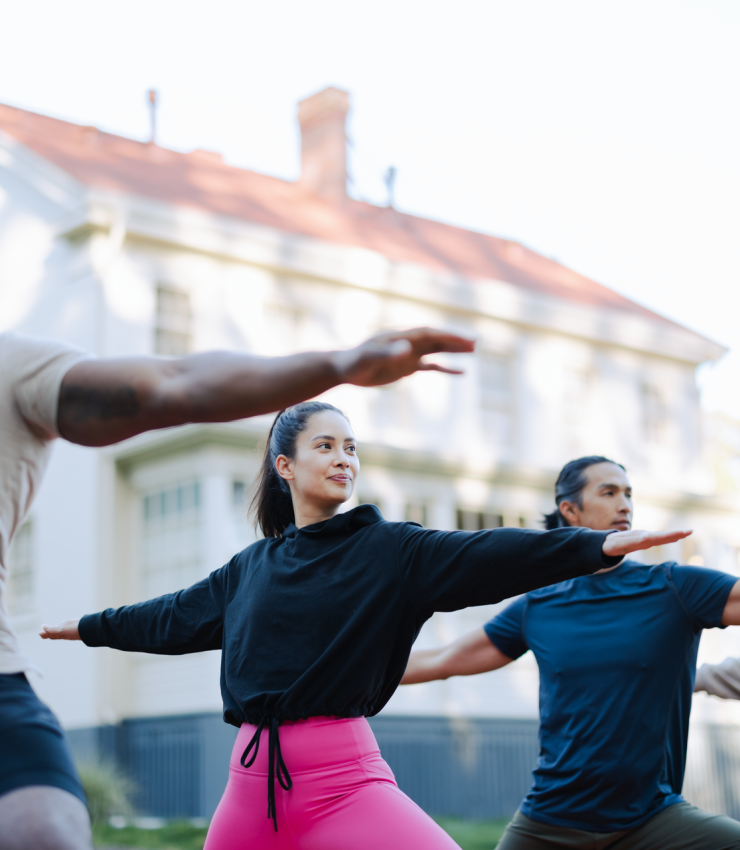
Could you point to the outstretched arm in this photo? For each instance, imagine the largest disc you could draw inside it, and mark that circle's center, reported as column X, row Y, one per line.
column 448, row 570
column 190, row 620
column 474, row 653
column 105, row 401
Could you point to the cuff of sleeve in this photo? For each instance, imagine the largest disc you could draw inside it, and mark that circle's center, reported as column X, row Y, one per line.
column 91, row 630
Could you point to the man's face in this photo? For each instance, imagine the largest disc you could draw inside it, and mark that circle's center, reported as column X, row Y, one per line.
column 606, row 500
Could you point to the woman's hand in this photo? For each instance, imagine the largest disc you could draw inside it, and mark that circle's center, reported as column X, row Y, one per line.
column 623, row 542
column 66, row 630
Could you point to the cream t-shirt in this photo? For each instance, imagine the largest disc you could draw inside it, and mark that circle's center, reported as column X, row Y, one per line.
column 31, row 372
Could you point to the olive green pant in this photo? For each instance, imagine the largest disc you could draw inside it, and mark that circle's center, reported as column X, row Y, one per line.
column 679, row 827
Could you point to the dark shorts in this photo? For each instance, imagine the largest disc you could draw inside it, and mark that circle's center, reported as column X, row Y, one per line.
column 33, row 750
column 679, row 827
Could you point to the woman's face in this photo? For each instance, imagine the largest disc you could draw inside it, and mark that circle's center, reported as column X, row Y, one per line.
column 325, row 467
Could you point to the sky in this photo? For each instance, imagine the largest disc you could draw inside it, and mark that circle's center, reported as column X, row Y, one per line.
column 605, row 134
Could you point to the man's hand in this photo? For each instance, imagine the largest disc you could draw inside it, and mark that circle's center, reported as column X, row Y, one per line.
column 104, row 401
column 389, row 356
column 623, row 542
column 66, row 630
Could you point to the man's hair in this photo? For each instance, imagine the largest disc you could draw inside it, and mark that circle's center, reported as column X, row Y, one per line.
column 570, row 485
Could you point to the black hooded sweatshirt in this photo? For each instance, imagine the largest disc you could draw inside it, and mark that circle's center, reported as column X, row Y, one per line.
column 321, row 621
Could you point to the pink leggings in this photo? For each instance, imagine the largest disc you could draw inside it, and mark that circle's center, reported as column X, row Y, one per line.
column 344, row 795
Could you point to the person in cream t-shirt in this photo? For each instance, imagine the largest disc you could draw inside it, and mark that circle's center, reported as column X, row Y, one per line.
column 50, row 389
column 35, row 765
column 31, row 373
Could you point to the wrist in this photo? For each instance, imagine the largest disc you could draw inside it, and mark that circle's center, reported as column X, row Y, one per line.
column 610, row 559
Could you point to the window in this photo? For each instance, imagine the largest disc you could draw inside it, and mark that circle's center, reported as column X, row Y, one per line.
column 171, row 539
column 654, row 413
column 238, row 494
column 21, row 583
column 495, row 380
column 391, row 407
column 478, row 520
column 416, row 512
column 172, row 334
column 576, row 390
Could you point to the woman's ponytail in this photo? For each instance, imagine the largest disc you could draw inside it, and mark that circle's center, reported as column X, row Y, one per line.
column 272, row 503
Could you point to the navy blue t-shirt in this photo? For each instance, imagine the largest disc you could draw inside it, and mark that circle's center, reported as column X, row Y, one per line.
column 617, row 658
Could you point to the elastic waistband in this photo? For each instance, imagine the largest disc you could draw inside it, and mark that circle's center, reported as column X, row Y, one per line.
column 314, row 744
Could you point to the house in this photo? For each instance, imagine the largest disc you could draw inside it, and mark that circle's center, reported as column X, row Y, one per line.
column 126, row 248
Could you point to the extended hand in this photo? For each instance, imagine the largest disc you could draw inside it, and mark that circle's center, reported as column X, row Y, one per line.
column 393, row 355
column 66, row 630
column 624, row 542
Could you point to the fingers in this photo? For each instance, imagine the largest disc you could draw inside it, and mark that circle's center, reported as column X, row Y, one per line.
column 430, row 340
column 434, row 341
column 672, row 537
column 624, row 542
column 435, row 367
column 64, row 631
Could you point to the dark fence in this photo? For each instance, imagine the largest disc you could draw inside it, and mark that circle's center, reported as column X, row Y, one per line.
column 179, row 764
column 474, row 768
column 465, row 767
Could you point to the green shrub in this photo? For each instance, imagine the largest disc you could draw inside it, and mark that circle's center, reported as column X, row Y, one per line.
column 109, row 791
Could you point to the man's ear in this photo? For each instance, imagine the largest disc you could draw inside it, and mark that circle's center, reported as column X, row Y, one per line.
column 571, row 512
column 284, row 467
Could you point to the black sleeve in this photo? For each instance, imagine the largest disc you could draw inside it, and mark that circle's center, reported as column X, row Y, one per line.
column 448, row 570
column 190, row 620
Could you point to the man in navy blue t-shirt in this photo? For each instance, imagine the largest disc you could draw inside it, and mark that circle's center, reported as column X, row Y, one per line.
column 617, row 658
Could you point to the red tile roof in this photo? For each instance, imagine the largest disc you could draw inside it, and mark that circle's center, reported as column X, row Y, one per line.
column 202, row 180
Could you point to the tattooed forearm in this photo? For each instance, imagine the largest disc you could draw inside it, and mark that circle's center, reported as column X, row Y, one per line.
column 84, row 404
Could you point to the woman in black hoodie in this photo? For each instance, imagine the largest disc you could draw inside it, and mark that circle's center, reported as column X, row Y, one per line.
column 316, row 622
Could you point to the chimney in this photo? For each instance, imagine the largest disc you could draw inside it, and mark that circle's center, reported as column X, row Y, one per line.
column 324, row 143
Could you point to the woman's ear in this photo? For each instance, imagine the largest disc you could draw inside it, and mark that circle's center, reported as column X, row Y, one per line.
column 571, row 512
column 284, row 467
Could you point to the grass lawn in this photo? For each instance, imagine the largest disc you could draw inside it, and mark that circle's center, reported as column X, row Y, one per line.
column 174, row 836
column 470, row 835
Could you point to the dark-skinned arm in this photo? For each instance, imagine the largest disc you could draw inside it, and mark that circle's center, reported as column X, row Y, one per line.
column 102, row 402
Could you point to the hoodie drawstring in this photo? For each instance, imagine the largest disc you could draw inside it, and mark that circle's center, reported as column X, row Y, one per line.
column 276, row 763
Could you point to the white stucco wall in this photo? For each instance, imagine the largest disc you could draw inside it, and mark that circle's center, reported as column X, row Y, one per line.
column 84, row 266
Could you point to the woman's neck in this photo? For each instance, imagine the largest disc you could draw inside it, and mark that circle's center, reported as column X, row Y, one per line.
column 311, row 514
